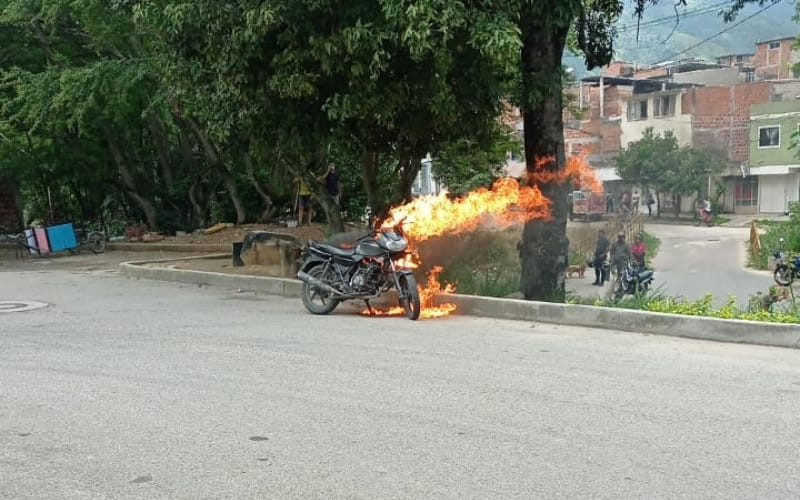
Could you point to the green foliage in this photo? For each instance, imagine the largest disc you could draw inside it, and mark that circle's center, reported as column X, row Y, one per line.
column 657, row 302
column 657, row 161
column 789, row 231
column 468, row 164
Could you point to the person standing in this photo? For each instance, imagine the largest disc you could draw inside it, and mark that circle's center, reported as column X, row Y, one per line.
column 304, row 199
column 639, row 250
column 650, row 202
column 620, row 254
column 600, row 256
column 331, row 181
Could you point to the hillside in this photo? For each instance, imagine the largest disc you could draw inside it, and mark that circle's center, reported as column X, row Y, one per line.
column 698, row 20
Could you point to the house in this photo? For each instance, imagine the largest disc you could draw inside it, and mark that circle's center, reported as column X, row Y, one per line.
column 736, row 60
column 774, row 59
column 10, row 207
column 771, row 179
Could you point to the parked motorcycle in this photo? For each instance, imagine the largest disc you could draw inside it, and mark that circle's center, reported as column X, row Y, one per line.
column 633, row 280
column 785, row 270
column 331, row 274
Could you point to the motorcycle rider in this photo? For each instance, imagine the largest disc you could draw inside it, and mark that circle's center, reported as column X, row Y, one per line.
column 705, row 210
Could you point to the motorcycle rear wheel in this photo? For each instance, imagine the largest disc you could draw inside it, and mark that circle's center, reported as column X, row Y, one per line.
column 411, row 302
column 315, row 300
column 783, row 276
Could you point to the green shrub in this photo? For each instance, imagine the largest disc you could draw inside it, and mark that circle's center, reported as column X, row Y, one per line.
column 770, row 241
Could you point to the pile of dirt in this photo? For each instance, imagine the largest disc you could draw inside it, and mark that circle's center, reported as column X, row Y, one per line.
column 232, row 234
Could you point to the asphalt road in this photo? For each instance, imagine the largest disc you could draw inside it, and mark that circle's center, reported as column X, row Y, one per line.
column 135, row 389
column 694, row 261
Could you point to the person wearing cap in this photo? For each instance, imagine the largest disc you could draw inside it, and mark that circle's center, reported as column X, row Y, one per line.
column 620, row 254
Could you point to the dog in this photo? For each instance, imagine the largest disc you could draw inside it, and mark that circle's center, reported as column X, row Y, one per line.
column 579, row 270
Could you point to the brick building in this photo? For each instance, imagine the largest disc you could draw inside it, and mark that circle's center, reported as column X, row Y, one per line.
column 774, row 59
column 10, row 211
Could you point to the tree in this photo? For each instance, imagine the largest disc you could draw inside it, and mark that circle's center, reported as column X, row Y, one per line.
column 651, row 162
column 695, row 168
column 657, row 161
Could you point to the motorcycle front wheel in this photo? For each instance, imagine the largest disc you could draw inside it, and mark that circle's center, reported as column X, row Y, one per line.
column 315, row 300
column 410, row 293
column 783, row 276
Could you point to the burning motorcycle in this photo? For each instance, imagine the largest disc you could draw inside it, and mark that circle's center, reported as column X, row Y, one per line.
column 785, row 271
column 373, row 266
column 633, row 280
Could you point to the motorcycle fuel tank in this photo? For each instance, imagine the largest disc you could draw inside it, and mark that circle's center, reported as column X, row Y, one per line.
column 369, row 249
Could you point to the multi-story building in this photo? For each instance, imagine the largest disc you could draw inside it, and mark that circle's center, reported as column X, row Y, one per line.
column 771, row 178
column 774, row 59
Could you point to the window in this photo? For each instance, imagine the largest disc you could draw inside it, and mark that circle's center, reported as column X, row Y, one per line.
column 739, row 59
column 749, row 76
column 769, row 137
column 774, row 45
column 664, row 105
column 745, row 193
column 637, row 110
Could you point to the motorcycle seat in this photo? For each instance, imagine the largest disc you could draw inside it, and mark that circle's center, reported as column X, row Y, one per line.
column 339, row 252
column 643, row 275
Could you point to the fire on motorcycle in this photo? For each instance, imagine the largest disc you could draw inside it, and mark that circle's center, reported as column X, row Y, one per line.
column 372, row 265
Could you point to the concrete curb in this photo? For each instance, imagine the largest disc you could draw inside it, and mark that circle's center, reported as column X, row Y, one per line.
column 272, row 286
column 673, row 325
column 170, row 247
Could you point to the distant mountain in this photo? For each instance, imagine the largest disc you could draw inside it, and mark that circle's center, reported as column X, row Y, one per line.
column 663, row 35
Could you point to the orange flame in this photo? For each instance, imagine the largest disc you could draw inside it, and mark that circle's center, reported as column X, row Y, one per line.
column 427, row 296
column 577, row 170
column 506, row 203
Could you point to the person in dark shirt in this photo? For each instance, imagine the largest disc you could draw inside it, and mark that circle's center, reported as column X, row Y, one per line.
column 600, row 255
column 620, row 254
column 331, row 180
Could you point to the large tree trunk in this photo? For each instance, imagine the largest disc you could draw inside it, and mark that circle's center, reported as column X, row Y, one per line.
column 544, row 247
column 332, row 211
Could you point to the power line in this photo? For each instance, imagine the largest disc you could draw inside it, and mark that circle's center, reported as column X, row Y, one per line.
column 706, row 40
column 670, row 19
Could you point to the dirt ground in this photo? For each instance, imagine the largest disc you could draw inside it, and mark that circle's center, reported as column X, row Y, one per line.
column 231, row 234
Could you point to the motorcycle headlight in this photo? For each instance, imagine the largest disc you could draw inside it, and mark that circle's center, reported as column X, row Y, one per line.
column 397, row 245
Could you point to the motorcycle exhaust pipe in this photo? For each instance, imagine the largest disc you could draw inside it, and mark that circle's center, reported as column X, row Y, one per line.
column 307, row 278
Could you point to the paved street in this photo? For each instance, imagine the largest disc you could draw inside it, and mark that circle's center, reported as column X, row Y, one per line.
column 693, row 261
column 135, row 389
column 696, row 260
